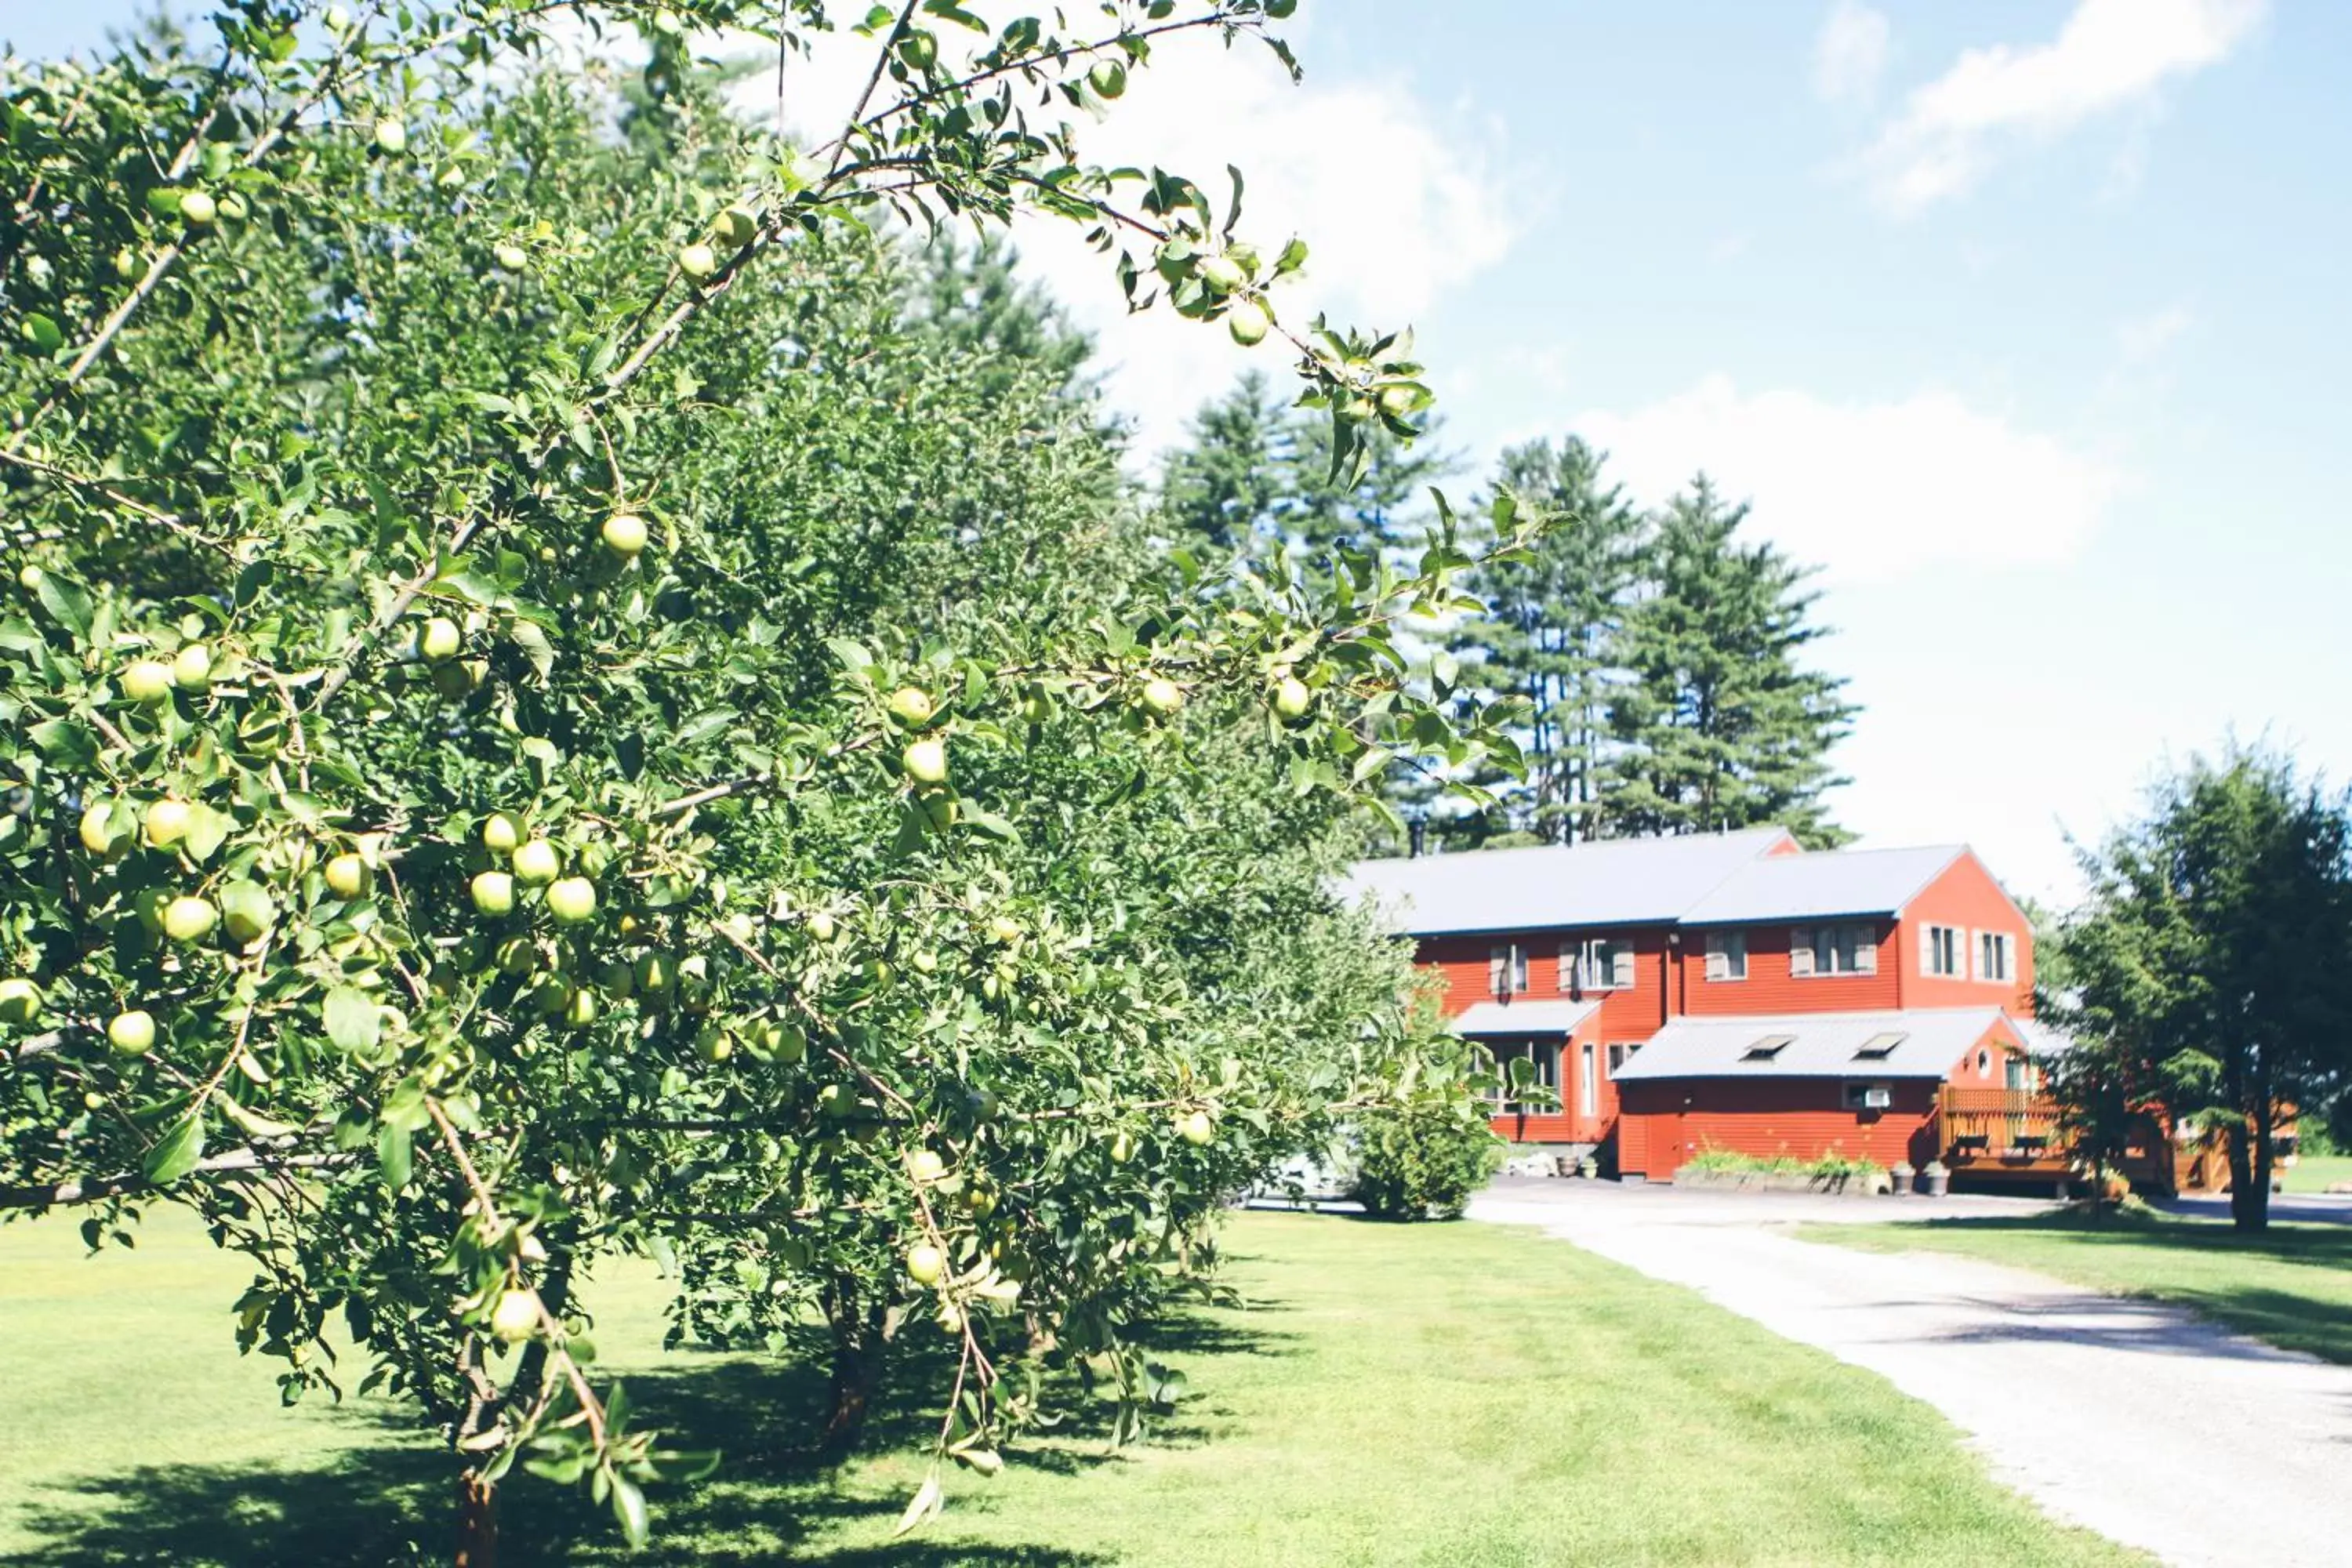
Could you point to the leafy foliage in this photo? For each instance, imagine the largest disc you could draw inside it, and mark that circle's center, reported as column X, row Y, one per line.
column 1421, row 1159
column 566, row 701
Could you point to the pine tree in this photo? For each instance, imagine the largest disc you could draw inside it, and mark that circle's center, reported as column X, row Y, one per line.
column 1256, row 472
column 1551, row 632
column 1719, row 723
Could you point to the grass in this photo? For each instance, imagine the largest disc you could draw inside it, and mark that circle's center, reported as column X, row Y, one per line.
column 2313, row 1173
column 1832, row 1166
column 2292, row 1286
column 1461, row 1395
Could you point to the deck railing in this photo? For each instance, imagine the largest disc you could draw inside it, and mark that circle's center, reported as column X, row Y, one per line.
column 2014, row 1126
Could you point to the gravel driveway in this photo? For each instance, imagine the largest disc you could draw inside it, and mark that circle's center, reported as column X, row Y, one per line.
column 2142, row 1422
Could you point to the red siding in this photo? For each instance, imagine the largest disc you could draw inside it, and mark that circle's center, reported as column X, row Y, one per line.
column 1665, row 1121
column 1770, row 989
column 1967, row 898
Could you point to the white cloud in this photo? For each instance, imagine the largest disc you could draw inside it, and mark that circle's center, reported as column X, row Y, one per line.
column 1850, row 54
column 2110, row 55
column 2140, row 340
column 1866, row 489
column 1398, row 202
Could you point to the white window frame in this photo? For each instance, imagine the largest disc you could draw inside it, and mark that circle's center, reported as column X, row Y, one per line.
column 1620, row 1053
column 1726, row 957
column 1506, row 958
column 1944, row 952
column 1807, row 944
column 1990, row 943
column 1544, row 1053
column 1581, row 969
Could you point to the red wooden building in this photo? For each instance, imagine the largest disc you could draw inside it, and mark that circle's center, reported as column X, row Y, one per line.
column 1736, row 991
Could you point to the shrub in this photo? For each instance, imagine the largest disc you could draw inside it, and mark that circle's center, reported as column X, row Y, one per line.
column 1422, row 1161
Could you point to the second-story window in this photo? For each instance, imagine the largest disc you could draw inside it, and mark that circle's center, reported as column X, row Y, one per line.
column 1943, row 950
column 1597, row 963
column 1726, row 955
column 1833, row 950
column 1996, row 955
column 1507, row 969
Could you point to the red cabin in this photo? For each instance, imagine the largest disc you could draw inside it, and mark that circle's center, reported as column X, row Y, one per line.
column 1735, row 991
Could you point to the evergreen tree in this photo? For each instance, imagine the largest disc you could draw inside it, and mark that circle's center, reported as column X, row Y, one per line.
column 1719, row 725
column 1257, row 471
column 1550, row 636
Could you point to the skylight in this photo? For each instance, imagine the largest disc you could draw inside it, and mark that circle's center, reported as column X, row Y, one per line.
column 1878, row 1047
column 1771, row 1045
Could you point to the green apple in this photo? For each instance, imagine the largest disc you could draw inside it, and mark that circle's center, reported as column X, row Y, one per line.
column 347, row 876
column 516, row 956
column 926, row 761
column 147, row 681
column 132, row 1033
column 1222, row 273
column 625, row 534
column 572, row 900
column 822, row 926
column 513, row 257
column 247, row 910
column 1291, row 698
column 189, row 919
column 232, row 209
column 737, row 226
column 390, row 136
column 653, row 973
column 836, row 1100
column 1163, row 697
column 98, row 836
column 1122, row 1149
column 1004, row 927
column 440, row 639
column 1400, row 402
column 20, row 1000
column 713, row 1045
column 127, row 264
column 1036, row 705
column 550, row 997
column 493, row 893
column 1195, row 1127
column 926, row 1165
column 515, row 1317
column 697, row 261
column 535, row 863
column 582, row 1010
column 1108, row 78
column 925, row 1263
column 167, row 823
column 940, row 809
column 911, row 706
column 920, row 50
column 500, row 834
column 1249, row 322
column 198, row 210
column 192, row 667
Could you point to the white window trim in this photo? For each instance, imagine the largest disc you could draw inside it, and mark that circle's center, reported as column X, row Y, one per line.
column 1587, row 1080
column 2005, row 943
column 1624, row 967
column 1865, row 950
column 1719, row 947
column 1538, row 1052
column 1960, row 940
column 1513, row 957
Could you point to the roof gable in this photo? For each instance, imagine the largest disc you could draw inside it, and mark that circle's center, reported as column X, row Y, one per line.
column 1836, row 882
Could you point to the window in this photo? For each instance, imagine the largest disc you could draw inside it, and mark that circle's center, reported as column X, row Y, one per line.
column 1507, row 969
column 1588, row 1090
column 1600, row 964
column 1726, row 955
column 1620, row 1054
column 1878, row 1047
column 1996, row 955
column 1833, row 950
column 1542, row 1057
column 1869, row 1096
column 1769, row 1046
column 1943, row 950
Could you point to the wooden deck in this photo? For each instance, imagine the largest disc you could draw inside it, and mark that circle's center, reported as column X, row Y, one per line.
column 2000, row 1132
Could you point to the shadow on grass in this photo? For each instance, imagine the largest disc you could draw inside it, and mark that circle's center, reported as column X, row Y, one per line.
column 387, row 1501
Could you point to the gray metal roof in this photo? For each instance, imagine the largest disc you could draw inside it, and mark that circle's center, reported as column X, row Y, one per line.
column 2040, row 1039
column 1623, row 881
column 1816, row 1044
column 1836, row 882
column 1529, row 1017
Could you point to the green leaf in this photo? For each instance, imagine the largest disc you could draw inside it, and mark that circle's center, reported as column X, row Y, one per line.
column 629, row 1509
column 353, row 1020
column 394, row 1155
column 925, row 1504
column 177, row 1152
column 68, row 604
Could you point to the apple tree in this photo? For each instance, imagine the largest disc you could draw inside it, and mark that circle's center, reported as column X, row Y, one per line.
column 539, row 731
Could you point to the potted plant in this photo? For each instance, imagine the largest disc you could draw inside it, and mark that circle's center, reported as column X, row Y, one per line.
column 1588, row 1167
column 1936, row 1179
column 1900, row 1176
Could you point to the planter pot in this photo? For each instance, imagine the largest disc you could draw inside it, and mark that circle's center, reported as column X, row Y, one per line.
column 1935, row 1181
column 1900, row 1177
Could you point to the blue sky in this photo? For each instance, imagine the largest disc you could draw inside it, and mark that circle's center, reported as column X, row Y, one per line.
column 2021, row 319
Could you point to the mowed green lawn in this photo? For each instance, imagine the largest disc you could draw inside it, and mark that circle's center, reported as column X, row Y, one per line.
column 1459, row 1395
column 2315, row 1172
column 2290, row 1286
